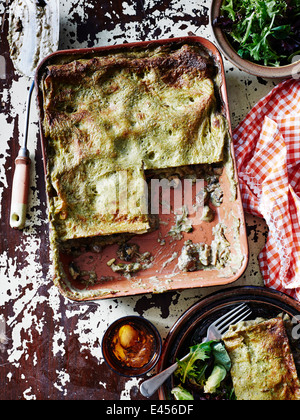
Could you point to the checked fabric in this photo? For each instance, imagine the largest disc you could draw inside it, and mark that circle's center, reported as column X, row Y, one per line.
column 267, row 149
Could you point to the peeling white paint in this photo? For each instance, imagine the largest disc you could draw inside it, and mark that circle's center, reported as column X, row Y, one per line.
column 125, row 394
column 128, row 9
column 28, row 394
column 59, row 338
column 62, row 379
column 3, row 338
column 8, row 129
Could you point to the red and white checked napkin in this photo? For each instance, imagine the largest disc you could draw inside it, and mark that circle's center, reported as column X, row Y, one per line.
column 267, row 149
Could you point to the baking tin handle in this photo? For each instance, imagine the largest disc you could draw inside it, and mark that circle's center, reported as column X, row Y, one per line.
column 20, row 189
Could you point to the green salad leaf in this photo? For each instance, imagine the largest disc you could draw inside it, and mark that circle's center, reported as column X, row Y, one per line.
column 214, row 381
column 205, row 367
column 221, row 356
column 189, row 368
column 182, row 394
column 263, row 31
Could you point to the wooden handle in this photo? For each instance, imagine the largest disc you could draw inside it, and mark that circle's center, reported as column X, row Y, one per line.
column 20, row 192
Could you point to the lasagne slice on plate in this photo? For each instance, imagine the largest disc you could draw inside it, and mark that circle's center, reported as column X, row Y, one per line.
column 88, row 203
column 263, row 367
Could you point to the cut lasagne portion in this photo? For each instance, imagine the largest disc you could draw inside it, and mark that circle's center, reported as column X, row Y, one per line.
column 88, row 203
column 263, row 367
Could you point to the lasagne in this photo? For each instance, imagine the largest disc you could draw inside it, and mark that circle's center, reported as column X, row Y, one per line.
column 263, row 367
column 124, row 112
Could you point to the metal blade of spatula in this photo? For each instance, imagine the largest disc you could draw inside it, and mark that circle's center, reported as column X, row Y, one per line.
column 33, row 34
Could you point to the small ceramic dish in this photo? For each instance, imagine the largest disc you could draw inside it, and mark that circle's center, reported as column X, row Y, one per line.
column 291, row 70
column 131, row 346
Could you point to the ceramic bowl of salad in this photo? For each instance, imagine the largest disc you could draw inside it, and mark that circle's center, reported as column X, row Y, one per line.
column 259, row 37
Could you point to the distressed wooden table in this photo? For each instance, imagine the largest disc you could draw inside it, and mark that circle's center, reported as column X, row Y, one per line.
column 53, row 349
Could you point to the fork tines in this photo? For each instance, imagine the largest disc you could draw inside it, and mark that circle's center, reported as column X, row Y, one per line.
column 237, row 314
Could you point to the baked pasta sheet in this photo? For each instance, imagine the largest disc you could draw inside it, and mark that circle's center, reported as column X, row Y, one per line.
column 263, row 366
column 150, row 109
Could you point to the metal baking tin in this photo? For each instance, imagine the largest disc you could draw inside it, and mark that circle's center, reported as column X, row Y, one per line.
column 163, row 274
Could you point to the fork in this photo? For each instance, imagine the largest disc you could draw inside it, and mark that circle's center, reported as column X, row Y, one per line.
column 215, row 332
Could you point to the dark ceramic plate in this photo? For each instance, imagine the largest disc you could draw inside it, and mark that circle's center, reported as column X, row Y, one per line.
column 191, row 327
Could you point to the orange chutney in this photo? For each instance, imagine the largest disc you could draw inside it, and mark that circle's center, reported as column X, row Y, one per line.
column 132, row 345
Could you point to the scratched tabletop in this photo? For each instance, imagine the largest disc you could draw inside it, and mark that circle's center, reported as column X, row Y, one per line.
column 53, row 345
